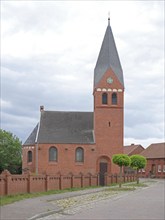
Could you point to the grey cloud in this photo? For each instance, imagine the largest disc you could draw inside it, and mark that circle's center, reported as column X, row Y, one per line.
column 63, row 79
column 35, row 16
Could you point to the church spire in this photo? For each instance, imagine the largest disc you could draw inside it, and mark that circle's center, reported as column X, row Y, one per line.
column 108, row 58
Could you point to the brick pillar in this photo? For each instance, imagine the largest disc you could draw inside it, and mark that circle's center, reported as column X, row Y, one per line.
column 8, row 182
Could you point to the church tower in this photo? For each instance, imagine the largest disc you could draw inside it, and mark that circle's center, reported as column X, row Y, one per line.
column 108, row 104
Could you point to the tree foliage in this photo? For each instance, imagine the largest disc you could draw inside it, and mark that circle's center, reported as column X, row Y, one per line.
column 10, row 152
column 121, row 160
column 138, row 162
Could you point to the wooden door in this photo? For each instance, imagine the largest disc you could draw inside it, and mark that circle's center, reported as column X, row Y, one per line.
column 103, row 170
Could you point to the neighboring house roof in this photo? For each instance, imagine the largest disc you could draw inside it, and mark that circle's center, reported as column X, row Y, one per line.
column 133, row 149
column 108, row 58
column 64, row 127
column 154, row 151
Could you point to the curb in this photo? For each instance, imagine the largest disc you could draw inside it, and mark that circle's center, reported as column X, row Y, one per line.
column 44, row 214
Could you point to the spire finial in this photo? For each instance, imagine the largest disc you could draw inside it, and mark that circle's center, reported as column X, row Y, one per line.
column 109, row 18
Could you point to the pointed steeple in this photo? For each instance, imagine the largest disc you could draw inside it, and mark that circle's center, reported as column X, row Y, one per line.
column 108, row 58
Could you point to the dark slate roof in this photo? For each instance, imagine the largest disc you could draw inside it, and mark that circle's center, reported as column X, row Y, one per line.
column 108, row 58
column 32, row 137
column 64, row 127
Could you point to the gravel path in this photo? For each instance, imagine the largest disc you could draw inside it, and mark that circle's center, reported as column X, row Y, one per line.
column 73, row 206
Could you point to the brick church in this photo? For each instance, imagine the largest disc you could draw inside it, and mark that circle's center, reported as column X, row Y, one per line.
column 83, row 142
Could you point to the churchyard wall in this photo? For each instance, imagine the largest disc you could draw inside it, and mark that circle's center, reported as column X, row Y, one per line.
column 30, row 183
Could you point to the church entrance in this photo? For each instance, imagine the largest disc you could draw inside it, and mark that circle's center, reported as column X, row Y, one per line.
column 103, row 170
column 103, row 167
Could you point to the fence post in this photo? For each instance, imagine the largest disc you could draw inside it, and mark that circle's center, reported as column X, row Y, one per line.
column 116, row 178
column 60, row 182
column 90, row 178
column 105, row 179
column 71, row 179
column 82, row 180
column 46, row 182
column 98, row 179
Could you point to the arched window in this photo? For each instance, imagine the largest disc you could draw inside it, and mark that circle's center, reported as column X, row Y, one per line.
column 104, row 98
column 79, row 154
column 52, row 154
column 114, row 98
column 29, row 158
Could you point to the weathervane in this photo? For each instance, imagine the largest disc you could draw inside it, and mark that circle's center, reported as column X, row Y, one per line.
column 109, row 18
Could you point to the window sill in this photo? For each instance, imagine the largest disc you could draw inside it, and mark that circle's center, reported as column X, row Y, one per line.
column 52, row 162
column 79, row 163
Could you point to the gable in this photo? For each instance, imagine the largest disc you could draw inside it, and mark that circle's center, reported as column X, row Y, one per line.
column 133, row 149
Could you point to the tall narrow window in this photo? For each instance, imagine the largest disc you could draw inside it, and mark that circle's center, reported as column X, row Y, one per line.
column 104, row 98
column 29, row 159
column 114, row 99
column 52, row 154
column 79, row 154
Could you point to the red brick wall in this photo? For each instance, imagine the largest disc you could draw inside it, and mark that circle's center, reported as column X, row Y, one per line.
column 31, row 165
column 148, row 171
column 27, row 183
column 108, row 119
column 66, row 159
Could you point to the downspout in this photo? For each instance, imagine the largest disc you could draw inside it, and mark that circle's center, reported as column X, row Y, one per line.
column 36, row 140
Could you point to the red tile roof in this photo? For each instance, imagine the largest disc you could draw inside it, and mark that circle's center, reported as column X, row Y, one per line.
column 133, row 149
column 156, row 150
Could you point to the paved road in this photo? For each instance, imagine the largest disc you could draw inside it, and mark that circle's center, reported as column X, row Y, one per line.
column 40, row 206
column 147, row 203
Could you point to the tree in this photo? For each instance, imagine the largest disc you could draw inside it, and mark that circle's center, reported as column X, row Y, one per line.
column 121, row 160
column 10, row 152
column 138, row 162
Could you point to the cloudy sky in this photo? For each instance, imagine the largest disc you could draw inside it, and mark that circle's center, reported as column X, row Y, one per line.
column 49, row 50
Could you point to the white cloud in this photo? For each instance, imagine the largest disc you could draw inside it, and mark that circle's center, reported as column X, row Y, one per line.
column 49, row 50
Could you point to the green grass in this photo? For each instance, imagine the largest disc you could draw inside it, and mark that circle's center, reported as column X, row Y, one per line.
column 4, row 200
column 117, row 189
column 136, row 185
